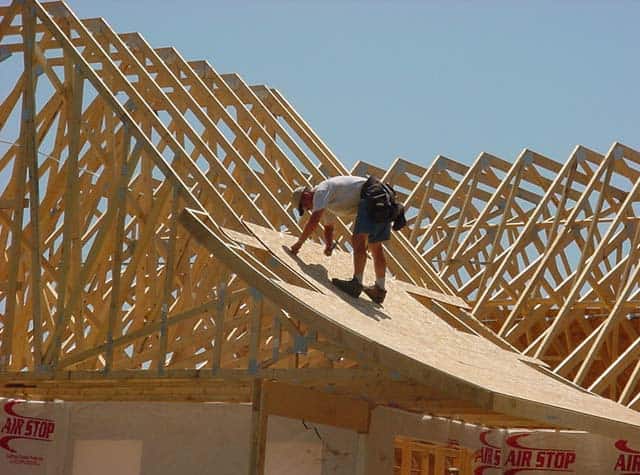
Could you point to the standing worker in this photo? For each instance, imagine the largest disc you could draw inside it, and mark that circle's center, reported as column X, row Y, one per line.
column 373, row 205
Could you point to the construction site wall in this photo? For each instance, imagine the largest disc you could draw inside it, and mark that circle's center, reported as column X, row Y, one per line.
column 131, row 438
column 502, row 451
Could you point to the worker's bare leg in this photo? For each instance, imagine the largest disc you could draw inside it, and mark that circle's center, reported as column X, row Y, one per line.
column 379, row 261
column 353, row 286
column 377, row 292
column 359, row 243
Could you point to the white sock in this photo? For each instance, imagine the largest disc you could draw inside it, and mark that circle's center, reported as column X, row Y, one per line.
column 358, row 277
column 380, row 282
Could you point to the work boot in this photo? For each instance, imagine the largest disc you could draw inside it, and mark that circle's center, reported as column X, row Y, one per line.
column 351, row 287
column 375, row 293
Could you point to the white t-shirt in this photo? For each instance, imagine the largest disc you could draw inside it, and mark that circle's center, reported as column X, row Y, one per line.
column 339, row 195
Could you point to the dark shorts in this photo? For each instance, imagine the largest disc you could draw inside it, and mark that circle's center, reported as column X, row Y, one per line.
column 364, row 224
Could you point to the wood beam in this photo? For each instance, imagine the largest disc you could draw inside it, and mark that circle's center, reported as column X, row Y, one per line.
column 296, row 402
column 259, row 421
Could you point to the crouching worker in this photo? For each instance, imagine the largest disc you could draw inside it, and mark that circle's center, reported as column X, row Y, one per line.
column 374, row 207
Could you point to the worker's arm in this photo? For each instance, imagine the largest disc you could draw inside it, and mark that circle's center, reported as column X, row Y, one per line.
column 328, row 239
column 311, row 225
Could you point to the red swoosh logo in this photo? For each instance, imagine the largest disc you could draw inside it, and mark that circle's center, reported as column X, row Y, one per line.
column 483, row 439
column 514, row 471
column 8, row 408
column 481, row 470
column 513, row 442
column 4, row 441
column 622, row 445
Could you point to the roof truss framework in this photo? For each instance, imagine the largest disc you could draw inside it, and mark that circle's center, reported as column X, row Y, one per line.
column 100, row 285
column 91, row 132
column 548, row 259
column 121, row 159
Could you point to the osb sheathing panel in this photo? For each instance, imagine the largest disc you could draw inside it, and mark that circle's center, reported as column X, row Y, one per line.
column 425, row 343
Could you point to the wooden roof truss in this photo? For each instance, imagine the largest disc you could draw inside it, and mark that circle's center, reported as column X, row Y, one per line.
column 545, row 253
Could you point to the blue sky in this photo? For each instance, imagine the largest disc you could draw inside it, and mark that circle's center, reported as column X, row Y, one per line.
column 379, row 80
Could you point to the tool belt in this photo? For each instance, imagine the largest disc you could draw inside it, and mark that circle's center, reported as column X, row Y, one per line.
column 382, row 204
